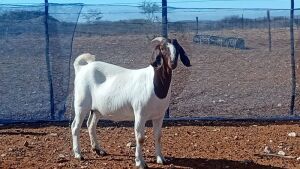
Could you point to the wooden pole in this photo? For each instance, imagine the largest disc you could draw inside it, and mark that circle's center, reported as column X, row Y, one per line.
column 269, row 28
column 48, row 60
column 293, row 94
column 164, row 18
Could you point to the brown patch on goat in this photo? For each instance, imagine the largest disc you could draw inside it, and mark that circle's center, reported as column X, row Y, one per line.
column 162, row 74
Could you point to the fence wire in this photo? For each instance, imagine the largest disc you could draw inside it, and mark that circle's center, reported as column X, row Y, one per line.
column 25, row 94
column 241, row 68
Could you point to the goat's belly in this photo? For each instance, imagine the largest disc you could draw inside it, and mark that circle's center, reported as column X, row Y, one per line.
column 121, row 114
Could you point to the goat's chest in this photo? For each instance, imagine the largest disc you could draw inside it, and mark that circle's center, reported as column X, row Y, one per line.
column 156, row 108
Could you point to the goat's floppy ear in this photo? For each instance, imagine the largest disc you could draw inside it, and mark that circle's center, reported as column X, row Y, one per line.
column 183, row 57
column 156, row 57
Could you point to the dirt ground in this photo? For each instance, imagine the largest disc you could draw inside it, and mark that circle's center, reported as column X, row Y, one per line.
column 209, row 145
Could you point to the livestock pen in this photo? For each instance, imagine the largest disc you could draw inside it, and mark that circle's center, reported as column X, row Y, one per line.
column 224, row 111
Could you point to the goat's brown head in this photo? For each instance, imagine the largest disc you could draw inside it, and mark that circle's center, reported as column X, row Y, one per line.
column 169, row 50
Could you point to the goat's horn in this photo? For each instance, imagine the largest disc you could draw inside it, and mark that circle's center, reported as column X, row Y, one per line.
column 160, row 39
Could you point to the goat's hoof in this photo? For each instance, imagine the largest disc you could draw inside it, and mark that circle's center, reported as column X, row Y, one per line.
column 142, row 165
column 145, row 166
column 79, row 157
column 161, row 160
column 100, row 152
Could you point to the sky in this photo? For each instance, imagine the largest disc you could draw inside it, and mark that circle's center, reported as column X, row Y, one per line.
column 128, row 9
column 285, row 4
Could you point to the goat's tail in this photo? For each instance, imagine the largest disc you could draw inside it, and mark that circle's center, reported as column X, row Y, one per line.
column 86, row 57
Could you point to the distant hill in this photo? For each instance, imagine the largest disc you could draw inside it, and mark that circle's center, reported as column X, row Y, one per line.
column 22, row 15
column 19, row 22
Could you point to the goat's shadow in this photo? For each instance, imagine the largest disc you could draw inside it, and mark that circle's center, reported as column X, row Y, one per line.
column 22, row 133
column 167, row 122
column 216, row 163
column 197, row 163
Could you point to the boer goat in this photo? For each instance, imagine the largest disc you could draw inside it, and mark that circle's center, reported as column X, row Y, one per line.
column 112, row 92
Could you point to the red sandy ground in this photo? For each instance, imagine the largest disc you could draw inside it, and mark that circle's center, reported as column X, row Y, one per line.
column 209, row 145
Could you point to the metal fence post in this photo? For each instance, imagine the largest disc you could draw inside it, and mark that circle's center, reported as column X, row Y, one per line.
column 164, row 19
column 293, row 94
column 164, row 14
column 243, row 21
column 197, row 25
column 269, row 29
column 49, row 73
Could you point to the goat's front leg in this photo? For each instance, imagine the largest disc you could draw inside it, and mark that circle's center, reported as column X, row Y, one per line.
column 157, row 124
column 139, row 129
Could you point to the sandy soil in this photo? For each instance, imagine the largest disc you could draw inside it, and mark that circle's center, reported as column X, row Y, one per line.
column 210, row 145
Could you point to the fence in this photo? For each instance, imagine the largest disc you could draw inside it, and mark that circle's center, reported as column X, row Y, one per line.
column 252, row 82
column 30, row 59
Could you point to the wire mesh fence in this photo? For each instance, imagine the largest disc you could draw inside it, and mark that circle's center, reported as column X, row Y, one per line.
column 241, row 57
column 25, row 92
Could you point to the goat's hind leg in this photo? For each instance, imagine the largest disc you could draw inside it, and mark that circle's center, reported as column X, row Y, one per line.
column 76, row 125
column 92, row 124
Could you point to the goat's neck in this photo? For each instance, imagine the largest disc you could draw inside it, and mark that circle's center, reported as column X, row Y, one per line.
column 162, row 81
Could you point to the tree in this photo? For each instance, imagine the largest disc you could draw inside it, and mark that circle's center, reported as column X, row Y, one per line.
column 149, row 9
column 93, row 15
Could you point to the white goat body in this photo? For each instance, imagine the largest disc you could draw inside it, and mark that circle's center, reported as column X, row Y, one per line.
column 116, row 92
column 119, row 94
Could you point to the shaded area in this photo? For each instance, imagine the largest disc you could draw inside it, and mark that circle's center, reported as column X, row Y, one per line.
column 217, row 164
column 166, row 123
column 21, row 133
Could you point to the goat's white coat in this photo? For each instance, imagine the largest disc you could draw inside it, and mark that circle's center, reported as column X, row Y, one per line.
column 118, row 94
